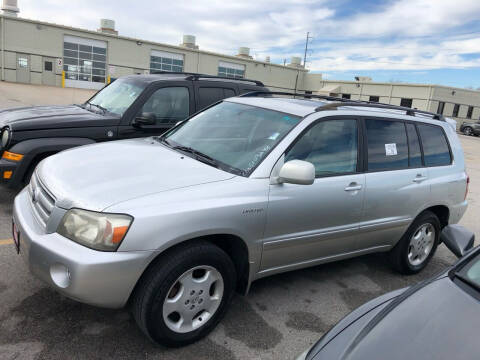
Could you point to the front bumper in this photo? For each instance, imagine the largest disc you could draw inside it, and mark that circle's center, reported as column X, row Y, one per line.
column 98, row 278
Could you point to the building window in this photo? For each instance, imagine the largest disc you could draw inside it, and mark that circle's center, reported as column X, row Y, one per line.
column 374, row 99
column 441, row 107
column 406, row 102
column 84, row 59
column 469, row 112
column 231, row 70
column 22, row 62
column 456, row 109
column 346, row 96
column 164, row 61
column 48, row 66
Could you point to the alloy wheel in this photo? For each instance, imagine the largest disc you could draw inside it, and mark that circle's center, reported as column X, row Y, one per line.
column 421, row 244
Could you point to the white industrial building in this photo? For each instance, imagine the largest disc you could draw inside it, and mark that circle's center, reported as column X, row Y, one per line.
column 37, row 52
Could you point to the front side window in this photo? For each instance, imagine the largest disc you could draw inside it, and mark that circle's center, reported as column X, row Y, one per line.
column 168, row 105
column 331, row 146
column 435, row 146
column 387, row 145
column 118, row 96
column 236, row 136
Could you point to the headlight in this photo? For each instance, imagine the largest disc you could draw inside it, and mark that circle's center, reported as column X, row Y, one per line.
column 99, row 231
column 5, row 138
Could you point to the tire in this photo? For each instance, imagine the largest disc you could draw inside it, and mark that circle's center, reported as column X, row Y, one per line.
column 417, row 246
column 467, row 130
column 161, row 288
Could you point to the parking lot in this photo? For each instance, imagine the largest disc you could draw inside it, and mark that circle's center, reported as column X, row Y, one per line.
column 280, row 318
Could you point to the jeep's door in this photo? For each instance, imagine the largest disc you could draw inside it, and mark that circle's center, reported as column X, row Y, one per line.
column 397, row 185
column 308, row 224
column 160, row 108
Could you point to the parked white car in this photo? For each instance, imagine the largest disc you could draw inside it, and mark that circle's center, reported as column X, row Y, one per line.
column 253, row 186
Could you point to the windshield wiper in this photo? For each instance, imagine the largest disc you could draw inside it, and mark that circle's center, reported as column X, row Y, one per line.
column 98, row 106
column 198, row 155
column 467, row 281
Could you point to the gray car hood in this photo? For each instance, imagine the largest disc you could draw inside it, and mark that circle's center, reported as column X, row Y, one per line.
column 97, row 176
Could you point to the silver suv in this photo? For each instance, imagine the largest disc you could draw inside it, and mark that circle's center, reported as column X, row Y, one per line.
column 252, row 186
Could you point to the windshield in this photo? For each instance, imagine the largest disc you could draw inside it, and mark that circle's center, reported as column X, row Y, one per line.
column 236, row 135
column 118, row 96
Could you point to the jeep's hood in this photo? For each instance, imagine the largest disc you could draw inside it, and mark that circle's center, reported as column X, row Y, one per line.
column 97, row 176
column 47, row 117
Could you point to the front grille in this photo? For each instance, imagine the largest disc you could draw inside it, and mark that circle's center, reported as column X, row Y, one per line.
column 42, row 201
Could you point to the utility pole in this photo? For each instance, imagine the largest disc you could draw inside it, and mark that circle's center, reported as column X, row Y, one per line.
column 306, row 49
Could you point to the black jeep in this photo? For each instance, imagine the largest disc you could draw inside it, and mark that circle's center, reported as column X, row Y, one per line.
column 132, row 106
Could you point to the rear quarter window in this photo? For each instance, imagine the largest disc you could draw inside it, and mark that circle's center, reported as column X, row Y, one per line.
column 436, row 151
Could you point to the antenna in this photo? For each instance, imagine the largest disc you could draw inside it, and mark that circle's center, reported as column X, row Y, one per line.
column 306, row 49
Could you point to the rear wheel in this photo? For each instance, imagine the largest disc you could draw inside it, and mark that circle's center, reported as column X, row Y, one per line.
column 468, row 131
column 184, row 295
column 417, row 246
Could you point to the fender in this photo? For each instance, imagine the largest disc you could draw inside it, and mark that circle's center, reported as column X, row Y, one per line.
column 33, row 148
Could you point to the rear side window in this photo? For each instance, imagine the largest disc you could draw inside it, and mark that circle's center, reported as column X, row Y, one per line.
column 435, row 146
column 415, row 153
column 210, row 95
column 387, row 145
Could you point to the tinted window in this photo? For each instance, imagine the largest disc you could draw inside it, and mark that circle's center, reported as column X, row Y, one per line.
column 406, row 103
column 435, row 146
column 374, row 98
column 228, row 93
column 387, row 145
column 169, row 105
column 209, row 95
column 331, row 146
column 415, row 155
column 48, row 66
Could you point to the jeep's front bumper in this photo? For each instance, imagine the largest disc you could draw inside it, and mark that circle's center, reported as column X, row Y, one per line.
column 17, row 172
column 98, row 278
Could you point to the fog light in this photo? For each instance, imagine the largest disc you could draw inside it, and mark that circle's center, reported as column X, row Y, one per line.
column 7, row 174
column 60, row 275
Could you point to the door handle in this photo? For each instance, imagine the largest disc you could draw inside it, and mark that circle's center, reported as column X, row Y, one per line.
column 419, row 178
column 353, row 187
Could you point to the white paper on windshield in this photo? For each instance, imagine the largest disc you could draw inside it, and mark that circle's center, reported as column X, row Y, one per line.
column 390, row 149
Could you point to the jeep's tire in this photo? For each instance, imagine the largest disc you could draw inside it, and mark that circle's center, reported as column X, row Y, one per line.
column 467, row 130
column 417, row 246
column 184, row 295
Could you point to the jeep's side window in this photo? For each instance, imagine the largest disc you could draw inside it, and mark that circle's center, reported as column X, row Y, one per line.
column 414, row 146
column 387, row 145
column 209, row 95
column 435, row 146
column 168, row 105
column 331, row 146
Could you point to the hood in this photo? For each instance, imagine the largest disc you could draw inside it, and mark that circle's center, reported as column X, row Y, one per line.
column 47, row 117
column 97, row 176
column 439, row 321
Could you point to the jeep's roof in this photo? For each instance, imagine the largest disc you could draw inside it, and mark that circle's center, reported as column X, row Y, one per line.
column 160, row 76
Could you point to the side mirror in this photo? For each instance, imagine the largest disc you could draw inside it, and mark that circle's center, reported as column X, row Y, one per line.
column 458, row 239
column 145, row 119
column 297, row 172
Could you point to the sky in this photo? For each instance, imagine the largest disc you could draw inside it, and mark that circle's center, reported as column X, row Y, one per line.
column 415, row 41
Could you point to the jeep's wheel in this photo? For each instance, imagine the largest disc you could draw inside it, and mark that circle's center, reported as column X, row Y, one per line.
column 417, row 246
column 184, row 295
column 467, row 131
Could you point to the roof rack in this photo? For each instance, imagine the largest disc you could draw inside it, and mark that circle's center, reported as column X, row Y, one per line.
column 339, row 102
column 196, row 76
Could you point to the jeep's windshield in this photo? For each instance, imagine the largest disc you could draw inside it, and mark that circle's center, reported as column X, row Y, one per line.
column 236, row 136
column 118, row 96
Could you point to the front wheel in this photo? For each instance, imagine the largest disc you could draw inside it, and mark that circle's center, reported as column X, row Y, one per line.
column 467, row 131
column 183, row 296
column 417, row 246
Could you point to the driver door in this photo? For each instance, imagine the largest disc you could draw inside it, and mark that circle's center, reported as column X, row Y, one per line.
column 307, row 224
column 164, row 106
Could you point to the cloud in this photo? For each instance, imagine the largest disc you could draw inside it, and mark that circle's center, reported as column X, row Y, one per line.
column 348, row 34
